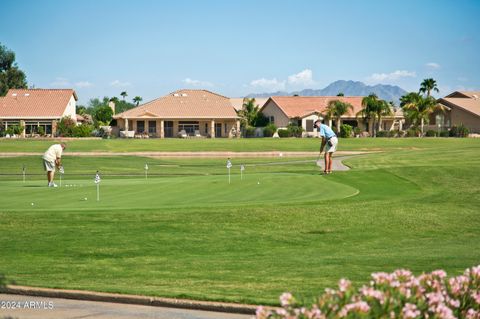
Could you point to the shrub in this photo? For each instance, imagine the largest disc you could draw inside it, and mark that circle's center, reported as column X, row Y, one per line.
column 400, row 133
column 392, row 133
column 249, row 131
column 444, row 134
column 459, row 131
column 395, row 295
column 83, row 130
column 14, row 129
column 346, row 130
column 295, row 130
column 41, row 130
column 357, row 131
column 283, row 133
column 431, row 133
column 413, row 132
column 382, row 134
column 65, row 126
column 463, row 131
column 269, row 130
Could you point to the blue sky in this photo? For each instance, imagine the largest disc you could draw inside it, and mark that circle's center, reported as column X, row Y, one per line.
column 150, row 48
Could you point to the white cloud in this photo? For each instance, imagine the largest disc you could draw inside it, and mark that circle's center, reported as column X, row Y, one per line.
column 390, row 77
column 433, row 65
column 268, row 84
column 197, row 83
column 119, row 84
column 462, row 79
column 60, row 82
column 302, row 79
column 83, row 84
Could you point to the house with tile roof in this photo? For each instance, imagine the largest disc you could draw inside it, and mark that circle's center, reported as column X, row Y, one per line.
column 34, row 108
column 184, row 113
column 305, row 110
column 461, row 107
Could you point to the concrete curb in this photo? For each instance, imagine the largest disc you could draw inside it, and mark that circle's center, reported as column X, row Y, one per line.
column 130, row 299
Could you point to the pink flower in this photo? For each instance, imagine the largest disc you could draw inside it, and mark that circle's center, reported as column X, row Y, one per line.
column 435, row 298
column 286, row 299
column 344, row 284
column 370, row 292
column 439, row 273
column 360, row 306
column 454, row 303
column 444, row 312
column 382, row 278
column 410, row 311
column 472, row 314
column 476, row 296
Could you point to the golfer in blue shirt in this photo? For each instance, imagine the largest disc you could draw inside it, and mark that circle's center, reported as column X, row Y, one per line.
column 329, row 143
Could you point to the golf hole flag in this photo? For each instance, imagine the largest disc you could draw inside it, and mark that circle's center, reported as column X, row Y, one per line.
column 146, row 171
column 229, row 165
column 242, row 168
column 97, row 181
column 97, row 178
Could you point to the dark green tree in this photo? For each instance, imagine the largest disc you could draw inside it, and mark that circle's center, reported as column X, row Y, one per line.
column 137, row 100
column 11, row 77
column 124, row 94
column 427, row 86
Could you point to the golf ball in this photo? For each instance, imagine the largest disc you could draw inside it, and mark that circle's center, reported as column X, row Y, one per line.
column 258, row 183
column 32, row 204
column 85, row 198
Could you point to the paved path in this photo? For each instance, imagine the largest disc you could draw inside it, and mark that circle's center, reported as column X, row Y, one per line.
column 47, row 307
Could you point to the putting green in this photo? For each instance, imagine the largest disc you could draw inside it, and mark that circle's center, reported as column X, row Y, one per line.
column 160, row 192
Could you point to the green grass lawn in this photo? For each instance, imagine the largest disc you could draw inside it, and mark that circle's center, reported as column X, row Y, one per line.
column 221, row 144
column 185, row 232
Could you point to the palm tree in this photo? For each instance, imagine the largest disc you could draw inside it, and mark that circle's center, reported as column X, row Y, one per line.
column 137, row 100
column 249, row 112
column 427, row 86
column 418, row 108
column 335, row 109
column 383, row 109
column 113, row 99
column 124, row 95
column 369, row 112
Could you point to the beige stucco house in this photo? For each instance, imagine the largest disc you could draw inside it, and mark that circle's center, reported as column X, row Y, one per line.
column 34, row 108
column 183, row 113
column 305, row 110
column 461, row 107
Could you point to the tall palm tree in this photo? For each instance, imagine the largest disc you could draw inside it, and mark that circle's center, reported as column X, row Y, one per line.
column 335, row 109
column 418, row 108
column 248, row 113
column 427, row 86
column 124, row 95
column 383, row 109
column 137, row 100
column 369, row 110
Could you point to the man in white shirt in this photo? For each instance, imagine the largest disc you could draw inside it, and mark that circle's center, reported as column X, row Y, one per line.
column 51, row 159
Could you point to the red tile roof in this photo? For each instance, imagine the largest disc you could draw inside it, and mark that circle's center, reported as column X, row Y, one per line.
column 188, row 104
column 300, row 106
column 35, row 103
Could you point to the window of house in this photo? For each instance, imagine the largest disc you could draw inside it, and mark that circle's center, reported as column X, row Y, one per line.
column 309, row 124
column 188, row 127
column 140, row 126
column 152, row 126
column 271, row 119
column 206, row 128
column 225, row 126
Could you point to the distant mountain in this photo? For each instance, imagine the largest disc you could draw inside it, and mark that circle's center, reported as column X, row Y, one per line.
column 348, row 88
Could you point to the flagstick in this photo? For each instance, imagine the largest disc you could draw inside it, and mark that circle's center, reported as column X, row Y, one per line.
column 24, row 175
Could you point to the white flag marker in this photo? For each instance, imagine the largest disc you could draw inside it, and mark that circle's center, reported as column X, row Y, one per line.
column 97, row 181
column 229, row 165
column 146, row 170
column 242, row 168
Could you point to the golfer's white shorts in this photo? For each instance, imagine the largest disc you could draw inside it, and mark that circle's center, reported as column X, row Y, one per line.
column 333, row 148
column 49, row 166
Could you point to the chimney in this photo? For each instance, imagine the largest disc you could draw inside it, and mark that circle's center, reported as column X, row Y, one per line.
column 112, row 106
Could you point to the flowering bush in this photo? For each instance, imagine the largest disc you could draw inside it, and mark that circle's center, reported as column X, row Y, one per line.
column 395, row 295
